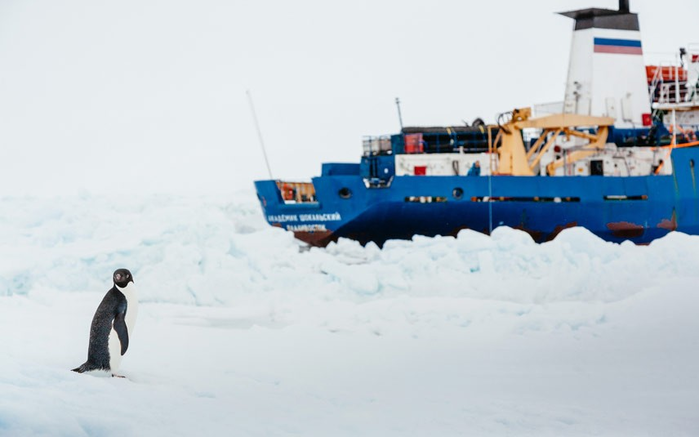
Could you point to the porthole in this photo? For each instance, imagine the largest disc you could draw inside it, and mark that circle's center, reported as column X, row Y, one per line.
column 458, row 193
column 345, row 193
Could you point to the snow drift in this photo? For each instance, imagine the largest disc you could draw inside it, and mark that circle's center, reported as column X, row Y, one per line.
column 244, row 331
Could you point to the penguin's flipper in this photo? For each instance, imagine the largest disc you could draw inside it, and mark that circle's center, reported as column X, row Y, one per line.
column 122, row 332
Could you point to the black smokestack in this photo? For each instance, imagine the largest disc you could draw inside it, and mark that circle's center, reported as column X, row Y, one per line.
column 623, row 5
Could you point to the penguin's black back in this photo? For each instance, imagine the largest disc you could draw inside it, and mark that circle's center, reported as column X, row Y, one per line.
column 114, row 303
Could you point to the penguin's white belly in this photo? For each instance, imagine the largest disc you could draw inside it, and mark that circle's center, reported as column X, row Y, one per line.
column 131, row 311
column 114, row 350
column 131, row 305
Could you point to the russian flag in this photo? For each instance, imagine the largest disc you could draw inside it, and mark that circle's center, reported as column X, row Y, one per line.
column 619, row 46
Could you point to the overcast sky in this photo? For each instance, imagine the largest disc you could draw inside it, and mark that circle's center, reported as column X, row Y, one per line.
column 147, row 96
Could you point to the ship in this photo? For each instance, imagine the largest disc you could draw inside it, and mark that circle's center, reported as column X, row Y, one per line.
column 617, row 156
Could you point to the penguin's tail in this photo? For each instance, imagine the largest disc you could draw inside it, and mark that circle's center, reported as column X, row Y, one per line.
column 86, row 367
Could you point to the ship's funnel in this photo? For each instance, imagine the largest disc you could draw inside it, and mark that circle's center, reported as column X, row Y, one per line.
column 606, row 73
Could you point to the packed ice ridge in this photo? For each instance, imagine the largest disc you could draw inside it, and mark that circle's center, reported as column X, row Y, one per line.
column 244, row 331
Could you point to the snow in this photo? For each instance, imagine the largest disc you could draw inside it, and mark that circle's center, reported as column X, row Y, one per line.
column 243, row 331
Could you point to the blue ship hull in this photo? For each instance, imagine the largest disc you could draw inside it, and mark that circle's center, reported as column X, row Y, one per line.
column 636, row 208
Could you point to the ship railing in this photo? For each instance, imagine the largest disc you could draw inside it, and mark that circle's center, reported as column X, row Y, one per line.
column 692, row 62
column 671, row 93
column 376, row 145
column 297, row 192
column 666, row 83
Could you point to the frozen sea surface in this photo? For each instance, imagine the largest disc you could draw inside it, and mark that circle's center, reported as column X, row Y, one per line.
column 242, row 332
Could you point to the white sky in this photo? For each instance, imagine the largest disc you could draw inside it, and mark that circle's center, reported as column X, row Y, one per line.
column 143, row 96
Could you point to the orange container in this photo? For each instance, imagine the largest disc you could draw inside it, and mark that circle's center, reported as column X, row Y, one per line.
column 667, row 74
column 414, row 143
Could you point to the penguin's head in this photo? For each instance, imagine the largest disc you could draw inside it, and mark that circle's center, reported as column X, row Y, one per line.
column 122, row 277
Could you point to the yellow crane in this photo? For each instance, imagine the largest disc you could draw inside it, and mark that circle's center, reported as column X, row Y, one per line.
column 515, row 160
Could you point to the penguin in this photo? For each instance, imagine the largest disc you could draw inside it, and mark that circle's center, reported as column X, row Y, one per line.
column 112, row 326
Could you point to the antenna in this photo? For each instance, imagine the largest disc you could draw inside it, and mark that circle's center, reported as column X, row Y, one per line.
column 400, row 117
column 259, row 132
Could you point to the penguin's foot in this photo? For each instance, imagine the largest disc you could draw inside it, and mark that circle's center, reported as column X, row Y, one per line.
column 114, row 375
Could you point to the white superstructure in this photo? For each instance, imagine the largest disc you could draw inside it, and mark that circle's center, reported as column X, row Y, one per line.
column 606, row 73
